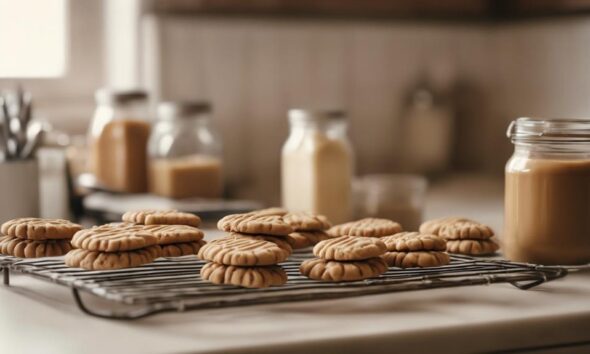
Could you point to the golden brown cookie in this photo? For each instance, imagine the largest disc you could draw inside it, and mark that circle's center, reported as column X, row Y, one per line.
column 17, row 247
column 40, row 229
column 247, row 277
column 467, row 229
column 414, row 241
column 303, row 239
column 416, row 259
column 162, row 217
column 367, row 227
column 253, row 223
column 168, row 234
column 241, row 251
column 182, row 249
column 301, row 221
column 473, row 247
column 279, row 241
column 324, row 270
column 433, row 226
column 114, row 238
column 349, row 248
column 92, row 260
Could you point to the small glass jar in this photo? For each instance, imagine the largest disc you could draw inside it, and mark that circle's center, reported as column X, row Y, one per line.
column 117, row 138
column 317, row 165
column 547, row 195
column 185, row 152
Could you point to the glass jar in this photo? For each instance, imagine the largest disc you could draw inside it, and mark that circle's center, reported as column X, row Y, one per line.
column 317, row 165
column 185, row 152
column 118, row 137
column 547, row 196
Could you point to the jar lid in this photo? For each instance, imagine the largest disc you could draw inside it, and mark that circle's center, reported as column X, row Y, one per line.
column 110, row 96
column 182, row 109
column 527, row 129
column 315, row 115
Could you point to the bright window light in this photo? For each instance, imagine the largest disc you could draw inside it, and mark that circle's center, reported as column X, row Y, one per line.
column 33, row 41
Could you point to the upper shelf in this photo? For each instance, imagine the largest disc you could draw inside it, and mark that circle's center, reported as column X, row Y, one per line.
column 471, row 10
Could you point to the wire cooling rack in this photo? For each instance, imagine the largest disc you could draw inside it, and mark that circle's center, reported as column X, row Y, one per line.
column 174, row 284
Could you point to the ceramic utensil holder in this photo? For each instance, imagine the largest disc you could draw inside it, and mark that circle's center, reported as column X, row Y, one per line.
column 19, row 189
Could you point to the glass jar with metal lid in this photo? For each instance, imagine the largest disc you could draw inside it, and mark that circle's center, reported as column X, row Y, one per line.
column 547, row 195
column 117, row 140
column 317, row 164
column 185, row 152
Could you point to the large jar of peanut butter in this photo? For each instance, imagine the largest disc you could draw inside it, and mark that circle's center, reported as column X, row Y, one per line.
column 547, row 195
column 317, row 165
column 185, row 152
column 118, row 138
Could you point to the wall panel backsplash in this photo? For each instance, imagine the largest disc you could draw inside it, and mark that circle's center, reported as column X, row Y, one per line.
column 255, row 70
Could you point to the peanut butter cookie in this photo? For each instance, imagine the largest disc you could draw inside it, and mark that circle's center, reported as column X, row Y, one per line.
column 252, row 223
column 240, row 251
column 473, row 247
column 433, row 226
column 161, row 217
column 414, row 241
column 114, row 238
column 368, row 227
column 40, row 229
column 17, row 247
column 349, row 248
column 416, row 259
column 182, row 249
column 334, row 271
column 247, row 277
column 279, row 241
column 307, row 222
column 168, row 234
column 303, row 239
column 92, row 260
column 466, row 229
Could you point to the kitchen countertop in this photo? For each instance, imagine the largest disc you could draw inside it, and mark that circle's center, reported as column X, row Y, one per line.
column 36, row 316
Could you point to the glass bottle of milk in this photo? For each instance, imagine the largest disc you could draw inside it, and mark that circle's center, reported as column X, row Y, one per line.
column 317, row 164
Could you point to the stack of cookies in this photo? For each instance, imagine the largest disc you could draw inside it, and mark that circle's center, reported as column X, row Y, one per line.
column 113, row 246
column 346, row 258
column 414, row 249
column 142, row 237
column 249, row 254
column 177, row 232
column 34, row 237
column 464, row 236
column 308, row 229
column 367, row 227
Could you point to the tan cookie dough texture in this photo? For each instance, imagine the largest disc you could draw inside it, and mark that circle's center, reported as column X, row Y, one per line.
column 349, row 248
column 416, row 259
column 255, row 223
column 243, row 252
column 248, row 277
column 414, row 241
column 92, row 260
column 113, row 238
column 473, row 247
column 182, row 249
column 307, row 222
column 14, row 246
column 368, row 227
column 334, row 271
column 40, row 229
column 303, row 239
column 161, row 217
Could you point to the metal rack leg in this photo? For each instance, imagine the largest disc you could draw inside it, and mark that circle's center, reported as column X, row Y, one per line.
column 6, row 276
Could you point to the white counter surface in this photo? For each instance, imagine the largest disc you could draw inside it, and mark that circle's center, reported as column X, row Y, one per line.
column 38, row 317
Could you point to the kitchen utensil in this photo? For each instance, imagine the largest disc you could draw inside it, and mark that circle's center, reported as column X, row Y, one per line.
column 34, row 135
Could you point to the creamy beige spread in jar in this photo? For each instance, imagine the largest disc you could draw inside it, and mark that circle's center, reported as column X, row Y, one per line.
column 547, row 195
column 317, row 165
